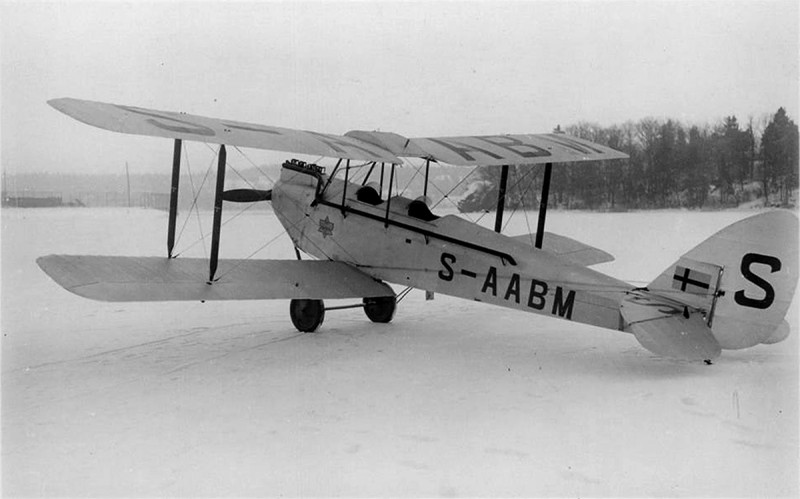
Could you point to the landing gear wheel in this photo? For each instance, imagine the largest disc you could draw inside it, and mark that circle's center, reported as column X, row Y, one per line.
column 307, row 315
column 380, row 309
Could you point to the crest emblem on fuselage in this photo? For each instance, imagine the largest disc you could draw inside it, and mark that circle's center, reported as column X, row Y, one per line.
column 326, row 227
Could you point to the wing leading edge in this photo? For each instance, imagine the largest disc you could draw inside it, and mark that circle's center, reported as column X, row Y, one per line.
column 167, row 124
column 121, row 278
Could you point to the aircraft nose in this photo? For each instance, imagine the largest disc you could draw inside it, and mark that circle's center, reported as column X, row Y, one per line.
column 247, row 195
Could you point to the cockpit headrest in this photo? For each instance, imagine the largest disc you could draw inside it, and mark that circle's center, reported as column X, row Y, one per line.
column 370, row 194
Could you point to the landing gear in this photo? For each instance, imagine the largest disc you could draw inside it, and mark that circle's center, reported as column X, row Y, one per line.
column 307, row 315
column 380, row 309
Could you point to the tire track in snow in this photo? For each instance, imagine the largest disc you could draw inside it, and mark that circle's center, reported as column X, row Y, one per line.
column 227, row 354
column 155, row 370
column 193, row 332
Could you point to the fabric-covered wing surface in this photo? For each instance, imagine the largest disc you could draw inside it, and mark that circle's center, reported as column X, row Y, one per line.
column 121, row 278
column 358, row 145
column 140, row 121
column 514, row 149
column 491, row 149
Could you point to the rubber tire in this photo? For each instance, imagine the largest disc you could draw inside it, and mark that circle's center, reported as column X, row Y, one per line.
column 380, row 309
column 307, row 315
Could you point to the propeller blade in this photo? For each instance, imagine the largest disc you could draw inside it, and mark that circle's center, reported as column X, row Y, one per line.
column 247, row 195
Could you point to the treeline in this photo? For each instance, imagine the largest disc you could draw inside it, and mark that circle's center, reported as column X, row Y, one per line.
column 671, row 165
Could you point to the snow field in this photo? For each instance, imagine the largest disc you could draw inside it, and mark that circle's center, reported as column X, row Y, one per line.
column 454, row 398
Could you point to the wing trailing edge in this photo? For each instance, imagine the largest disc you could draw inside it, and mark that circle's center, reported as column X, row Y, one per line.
column 121, row 278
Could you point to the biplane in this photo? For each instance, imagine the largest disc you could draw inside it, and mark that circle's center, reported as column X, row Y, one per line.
column 732, row 291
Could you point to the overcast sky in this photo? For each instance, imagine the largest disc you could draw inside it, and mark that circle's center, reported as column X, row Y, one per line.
column 415, row 68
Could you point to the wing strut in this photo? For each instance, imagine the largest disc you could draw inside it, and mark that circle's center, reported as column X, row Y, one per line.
column 501, row 200
column 548, row 169
column 369, row 173
column 344, row 191
column 214, row 258
column 389, row 196
column 173, row 196
column 427, row 169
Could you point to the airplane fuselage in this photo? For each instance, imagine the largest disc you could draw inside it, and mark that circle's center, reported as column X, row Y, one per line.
column 447, row 255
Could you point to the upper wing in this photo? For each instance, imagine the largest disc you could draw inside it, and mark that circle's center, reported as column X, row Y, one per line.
column 140, row 121
column 358, row 145
column 492, row 149
column 122, row 278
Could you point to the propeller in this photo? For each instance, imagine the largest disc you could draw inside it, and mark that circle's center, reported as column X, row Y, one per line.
column 247, row 195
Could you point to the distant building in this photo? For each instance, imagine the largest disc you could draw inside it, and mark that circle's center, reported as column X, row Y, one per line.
column 32, row 200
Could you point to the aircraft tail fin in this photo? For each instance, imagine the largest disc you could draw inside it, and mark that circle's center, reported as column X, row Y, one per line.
column 742, row 279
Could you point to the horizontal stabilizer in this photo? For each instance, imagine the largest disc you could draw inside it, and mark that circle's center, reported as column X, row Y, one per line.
column 568, row 248
column 668, row 328
column 121, row 278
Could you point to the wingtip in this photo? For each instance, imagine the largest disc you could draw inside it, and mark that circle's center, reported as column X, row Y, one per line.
column 45, row 262
column 60, row 103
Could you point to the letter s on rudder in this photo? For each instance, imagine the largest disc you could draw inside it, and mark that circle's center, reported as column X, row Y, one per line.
column 769, row 292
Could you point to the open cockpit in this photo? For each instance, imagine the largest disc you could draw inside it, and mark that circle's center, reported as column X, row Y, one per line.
column 348, row 196
column 372, row 203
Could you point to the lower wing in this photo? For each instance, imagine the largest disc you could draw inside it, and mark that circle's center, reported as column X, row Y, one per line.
column 123, row 278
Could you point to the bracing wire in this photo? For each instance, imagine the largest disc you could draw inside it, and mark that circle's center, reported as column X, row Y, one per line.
column 196, row 196
column 416, row 172
column 447, row 194
column 525, row 211
column 522, row 201
column 196, row 208
column 403, row 294
column 197, row 193
column 229, row 166
column 251, row 255
column 254, row 166
column 224, row 222
column 485, row 212
column 444, row 195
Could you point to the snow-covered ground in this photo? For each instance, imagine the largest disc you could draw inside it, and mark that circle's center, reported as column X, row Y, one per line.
column 454, row 398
